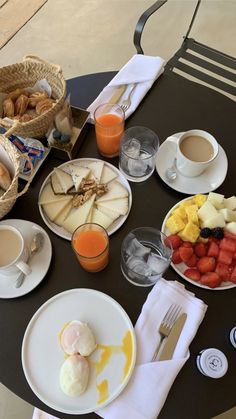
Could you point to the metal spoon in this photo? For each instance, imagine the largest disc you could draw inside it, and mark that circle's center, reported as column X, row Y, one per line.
column 35, row 245
column 171, row 173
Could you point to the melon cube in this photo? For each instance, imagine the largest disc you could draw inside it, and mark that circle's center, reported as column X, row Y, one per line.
column 228, row 214
column 231, row 227
column 215, row 221
column 230, row 203
column 207, row 211
column 216, row 199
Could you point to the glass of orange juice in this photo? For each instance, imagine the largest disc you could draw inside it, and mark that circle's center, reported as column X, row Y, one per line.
column 90, row 243
column 109, row 127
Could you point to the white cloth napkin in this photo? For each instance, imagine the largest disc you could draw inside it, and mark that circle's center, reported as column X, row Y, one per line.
column 140, row 69
column 147, row 390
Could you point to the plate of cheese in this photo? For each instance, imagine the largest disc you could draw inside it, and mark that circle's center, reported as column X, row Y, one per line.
column 81, row 191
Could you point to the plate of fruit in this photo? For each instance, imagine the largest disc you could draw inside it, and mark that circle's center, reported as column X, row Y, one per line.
column 202, row 231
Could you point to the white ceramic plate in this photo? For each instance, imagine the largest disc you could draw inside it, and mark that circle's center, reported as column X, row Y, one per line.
column 42, row 355
column 39, row 263
column 208, row 181
column 60, row 231
column 181, row 267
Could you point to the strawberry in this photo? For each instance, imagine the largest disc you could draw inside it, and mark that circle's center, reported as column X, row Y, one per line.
column 187, row 244
column 223, row 271
column 213, row 250
column 200, row 249
column 173, row 240
column 192, row 261
column 211, row 279
column 206, row 264
column 233, row 276
column 228, row 244
column 176, row 257
column 193, row 274
column 185, row 253
column 225, row 257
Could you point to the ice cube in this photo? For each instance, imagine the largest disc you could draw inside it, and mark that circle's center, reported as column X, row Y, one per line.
column 138, row 266
column 137, row 167
column 132, row 148
column 135, row 248
column 157, row 263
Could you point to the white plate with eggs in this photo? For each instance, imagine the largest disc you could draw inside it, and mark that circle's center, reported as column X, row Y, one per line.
column 110, row 364
column 112, row 208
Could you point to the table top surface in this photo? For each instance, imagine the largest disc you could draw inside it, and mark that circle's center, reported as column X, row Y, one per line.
column 172, row 105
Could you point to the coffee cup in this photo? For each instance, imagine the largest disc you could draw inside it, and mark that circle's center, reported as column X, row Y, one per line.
column 195, row 151
column 13, row 252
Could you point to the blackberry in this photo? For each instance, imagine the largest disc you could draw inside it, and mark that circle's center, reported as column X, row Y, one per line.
column 56, row 134
column 218, row 233
column 205, row 232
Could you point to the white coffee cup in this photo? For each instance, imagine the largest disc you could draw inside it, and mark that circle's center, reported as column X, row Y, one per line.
column 13, row 252
column 196, row 153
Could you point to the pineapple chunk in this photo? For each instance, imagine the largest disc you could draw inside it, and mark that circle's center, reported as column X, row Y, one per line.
column 186, row 203
column 175, row 224
column 207, row 211
column 216, row 199
column 199, row 200
column 228, row 214
column 190, row 232
column 230, row 203
column 180, row 212
column 231, row 227
column 216, row 221
column 192, row 213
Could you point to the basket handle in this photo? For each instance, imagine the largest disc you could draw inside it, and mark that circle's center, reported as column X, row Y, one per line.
column 11, row 130
column 26, row 187
column 37, row 59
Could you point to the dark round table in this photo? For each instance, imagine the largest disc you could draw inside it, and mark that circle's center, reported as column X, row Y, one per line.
column 172, row 105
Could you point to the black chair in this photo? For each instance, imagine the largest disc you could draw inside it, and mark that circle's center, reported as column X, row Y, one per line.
column 194, row 60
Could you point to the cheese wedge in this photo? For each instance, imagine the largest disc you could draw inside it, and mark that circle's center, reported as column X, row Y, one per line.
column 64, row 179
column 113, row 215
column 107, row 175
column 63, row 214
column 96, row 169
column 115, row 191
column 120, row 206
column 78, row 173
column 47, row 196
column 53, row 209
column 78, row 215
column 102, row 219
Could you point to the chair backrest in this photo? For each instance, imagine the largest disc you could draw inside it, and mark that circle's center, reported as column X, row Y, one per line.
column 194, row 60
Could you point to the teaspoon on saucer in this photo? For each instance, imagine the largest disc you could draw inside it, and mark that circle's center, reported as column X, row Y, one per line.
column 171, row 173
column 35, row 245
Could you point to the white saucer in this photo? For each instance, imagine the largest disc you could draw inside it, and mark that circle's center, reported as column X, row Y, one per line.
column 208, row 181
column 39, row 263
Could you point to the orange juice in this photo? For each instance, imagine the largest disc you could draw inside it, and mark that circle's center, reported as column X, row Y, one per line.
column 90, row 243
column 109, row 127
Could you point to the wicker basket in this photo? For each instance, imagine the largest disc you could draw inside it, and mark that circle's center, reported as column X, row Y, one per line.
column 26, row 74
column 11, row 158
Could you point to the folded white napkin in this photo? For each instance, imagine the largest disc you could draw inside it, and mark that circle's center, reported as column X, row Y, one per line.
column 141, row 70
column 147, row 390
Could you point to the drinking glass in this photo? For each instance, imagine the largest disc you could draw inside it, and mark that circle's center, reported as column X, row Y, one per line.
column 138, row 150
column 145, row 256
column 109, row 127
column 90, row 243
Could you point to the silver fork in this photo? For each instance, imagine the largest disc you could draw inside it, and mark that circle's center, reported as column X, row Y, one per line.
column 166, row 325
column 127, row 102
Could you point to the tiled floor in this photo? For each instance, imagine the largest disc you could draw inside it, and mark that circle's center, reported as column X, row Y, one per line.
column 87, row 36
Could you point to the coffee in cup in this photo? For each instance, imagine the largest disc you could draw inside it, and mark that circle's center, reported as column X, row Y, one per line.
column 195, row 151
column 13, row 252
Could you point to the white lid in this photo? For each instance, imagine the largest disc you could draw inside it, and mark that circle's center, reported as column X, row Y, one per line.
column 232, row 336
column 212, row 363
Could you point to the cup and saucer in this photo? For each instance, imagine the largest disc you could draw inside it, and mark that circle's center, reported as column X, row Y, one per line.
column 37, row 266
column 212, row 172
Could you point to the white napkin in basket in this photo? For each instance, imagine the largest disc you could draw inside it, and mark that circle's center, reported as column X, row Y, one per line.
column 147, row 390
column 140, row 69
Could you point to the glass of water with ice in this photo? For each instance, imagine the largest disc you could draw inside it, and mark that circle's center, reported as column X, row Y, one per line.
column 138, row 150
column 145, row 256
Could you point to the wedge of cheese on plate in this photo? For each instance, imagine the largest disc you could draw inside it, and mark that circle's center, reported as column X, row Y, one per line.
column 107, row 175
column 78, row 215
column 53, row 209
column 115, row 191
column 113, row 215
column 120, row 206
column 64, row 179
column 48, row 196
column 102, row 219
column 96, row 170
column 78, row 173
